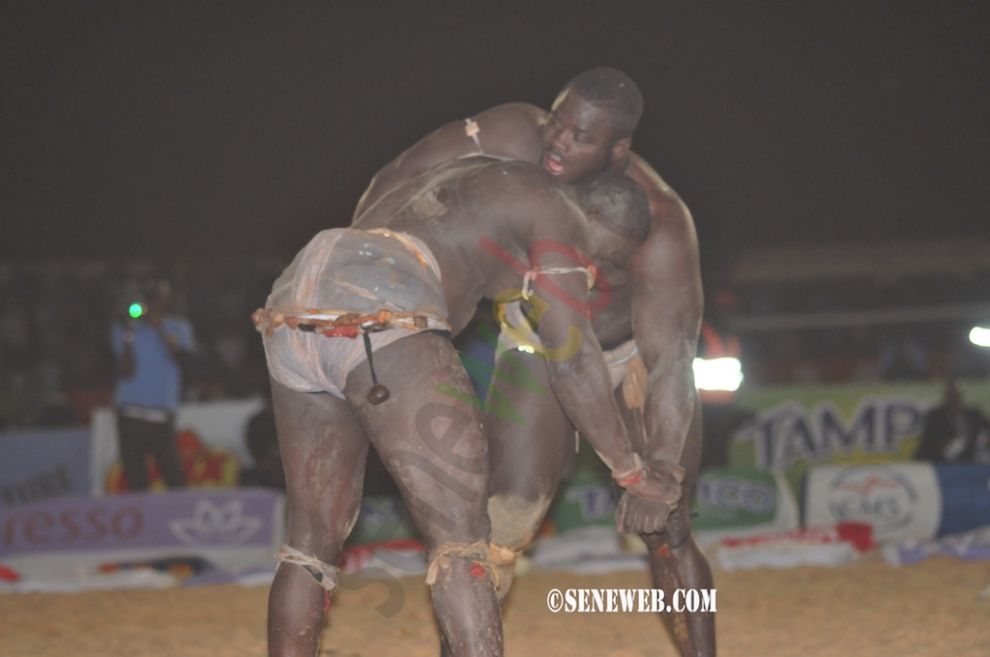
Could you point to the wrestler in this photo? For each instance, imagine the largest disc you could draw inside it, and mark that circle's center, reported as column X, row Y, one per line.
column 656, row 300
column 357, row 338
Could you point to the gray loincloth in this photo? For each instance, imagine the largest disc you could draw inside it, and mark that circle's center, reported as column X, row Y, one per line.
column 347, row 270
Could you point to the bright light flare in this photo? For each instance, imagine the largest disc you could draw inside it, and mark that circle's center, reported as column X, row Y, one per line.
column 980, row 336
column 718, row 374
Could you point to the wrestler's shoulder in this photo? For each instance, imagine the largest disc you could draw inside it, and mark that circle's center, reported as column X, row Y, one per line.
column 656, row 188
column 512, row 130
column 671, row 250
column 519, row 114
column 669, row 213
column 513, row 181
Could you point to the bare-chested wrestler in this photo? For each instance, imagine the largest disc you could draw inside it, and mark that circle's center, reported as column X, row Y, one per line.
column 656, row 301
column 397, row 287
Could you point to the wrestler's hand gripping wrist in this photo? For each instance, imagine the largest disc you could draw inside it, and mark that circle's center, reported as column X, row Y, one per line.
column 630, row 476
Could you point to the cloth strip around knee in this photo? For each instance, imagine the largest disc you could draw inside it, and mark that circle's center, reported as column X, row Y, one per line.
column 478, row 552
column 501, row 555
column 324, row 574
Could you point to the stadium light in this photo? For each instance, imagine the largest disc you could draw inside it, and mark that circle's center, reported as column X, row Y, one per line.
column 980, row 336
column 723, row 374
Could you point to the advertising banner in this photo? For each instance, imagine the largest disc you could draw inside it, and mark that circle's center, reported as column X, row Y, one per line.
column 899, row 500
column 728, row 501
column 728, row 498
column 736, row 502
column 64, row 537
column 795, row 428
column 965, row 493
column 43, row 464
column 586, row 497
column 382, row 520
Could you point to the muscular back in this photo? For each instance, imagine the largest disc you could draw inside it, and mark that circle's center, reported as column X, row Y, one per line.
column 506, row 132
column 481, row 218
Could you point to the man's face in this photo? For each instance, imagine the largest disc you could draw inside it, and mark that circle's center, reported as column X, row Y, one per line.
column 577, row 138
column 161, row 299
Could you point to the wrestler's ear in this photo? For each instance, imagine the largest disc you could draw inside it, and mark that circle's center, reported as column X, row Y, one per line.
column 620, row 149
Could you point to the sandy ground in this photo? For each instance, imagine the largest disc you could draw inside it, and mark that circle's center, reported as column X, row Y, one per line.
column 865, row 609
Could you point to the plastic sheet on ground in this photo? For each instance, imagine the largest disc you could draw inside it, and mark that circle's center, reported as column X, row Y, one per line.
column 817, row 546
column 971, row 546
column 258, row 576
column 398, row 558
column 591, row 550
column 131, row 579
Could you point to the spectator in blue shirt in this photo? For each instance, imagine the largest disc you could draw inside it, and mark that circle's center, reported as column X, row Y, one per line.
column 149, row 351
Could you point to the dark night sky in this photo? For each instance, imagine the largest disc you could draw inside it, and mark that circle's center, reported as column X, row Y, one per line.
column 202, row 129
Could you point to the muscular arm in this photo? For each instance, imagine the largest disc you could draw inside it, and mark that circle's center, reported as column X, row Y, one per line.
column 577, row 369
column 510, row 131
column 667, row 306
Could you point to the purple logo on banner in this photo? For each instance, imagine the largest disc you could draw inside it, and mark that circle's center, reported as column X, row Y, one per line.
column 190, row 519
column 213, row 523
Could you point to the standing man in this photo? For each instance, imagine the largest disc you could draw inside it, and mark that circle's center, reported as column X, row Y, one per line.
column 655, row 299
column 148, row 351
column 954, row 431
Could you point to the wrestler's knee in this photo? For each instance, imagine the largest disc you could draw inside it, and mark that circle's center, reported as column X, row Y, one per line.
column 448, row 560
column 324, row 573
column 314, row 530
column 515, row 518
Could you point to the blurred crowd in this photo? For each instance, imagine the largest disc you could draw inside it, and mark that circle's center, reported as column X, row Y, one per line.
column 56, row 362
column 912, row 328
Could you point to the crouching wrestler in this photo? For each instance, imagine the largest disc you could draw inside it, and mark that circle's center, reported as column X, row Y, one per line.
column 357, row 339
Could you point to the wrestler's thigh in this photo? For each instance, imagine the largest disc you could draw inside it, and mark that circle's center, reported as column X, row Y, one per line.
column 428, row 434
column 323, row 452
column 531, row 440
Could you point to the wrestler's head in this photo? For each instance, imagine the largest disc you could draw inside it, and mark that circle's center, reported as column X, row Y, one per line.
column 619, row 218
column 591, row 123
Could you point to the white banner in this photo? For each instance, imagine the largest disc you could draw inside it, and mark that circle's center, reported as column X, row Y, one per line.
column 900, row 500
column 220, row 424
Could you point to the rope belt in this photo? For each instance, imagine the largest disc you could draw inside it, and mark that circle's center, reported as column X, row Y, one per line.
column 341, row 324
column 337, row 324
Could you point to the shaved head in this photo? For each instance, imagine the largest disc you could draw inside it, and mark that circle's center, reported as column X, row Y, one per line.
column 616, row 202
column 611, row 89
